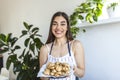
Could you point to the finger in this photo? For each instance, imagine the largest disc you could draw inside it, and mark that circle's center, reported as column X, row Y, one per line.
column 75, row 68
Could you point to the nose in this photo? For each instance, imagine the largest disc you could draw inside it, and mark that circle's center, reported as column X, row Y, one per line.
column 58, row 26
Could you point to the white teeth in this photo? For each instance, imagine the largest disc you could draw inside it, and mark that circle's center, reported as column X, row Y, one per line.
column 58, row 32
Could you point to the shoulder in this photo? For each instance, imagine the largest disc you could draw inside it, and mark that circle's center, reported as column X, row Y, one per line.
column 43, row 51
column 45, row 47
column 77, row 45
column 76, row 42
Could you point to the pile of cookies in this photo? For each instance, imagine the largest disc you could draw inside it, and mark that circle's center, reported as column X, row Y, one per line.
column 57, row 69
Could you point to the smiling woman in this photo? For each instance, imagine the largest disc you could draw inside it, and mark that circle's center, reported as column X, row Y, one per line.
column 62, row 48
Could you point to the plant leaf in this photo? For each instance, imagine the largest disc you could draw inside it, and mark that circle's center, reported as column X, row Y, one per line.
column 27, row 26
column 35, row 29
column 24, row 32
column 3, row 50
column 26, row 42
column 95, row 18
column 16, row 47
column 13, row 41
column 38, row 35
column 3, row 37
column 22, row 55
column 17, row 66
column 38, row 42
column 8, row 37
column 32, row 47
column 11, row 59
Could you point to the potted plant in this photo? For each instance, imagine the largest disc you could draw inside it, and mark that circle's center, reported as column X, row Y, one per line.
column 87, row 11
column 112, row 5
column 113, row 9
column 25, row 59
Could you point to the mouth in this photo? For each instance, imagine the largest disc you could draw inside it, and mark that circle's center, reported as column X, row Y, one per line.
column 58, row 32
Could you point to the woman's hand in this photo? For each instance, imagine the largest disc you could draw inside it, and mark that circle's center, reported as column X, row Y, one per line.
column 75, row 70
column 78, row 72
column 44, row 78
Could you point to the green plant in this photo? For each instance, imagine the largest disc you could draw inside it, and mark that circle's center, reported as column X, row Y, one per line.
column 75, row 31
column 112, row 5
column 92, row 10
column 25, row 59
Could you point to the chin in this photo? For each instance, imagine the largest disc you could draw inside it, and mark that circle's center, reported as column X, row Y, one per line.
column 58, row 36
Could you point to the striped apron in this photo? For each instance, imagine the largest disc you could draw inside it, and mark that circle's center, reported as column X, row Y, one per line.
column 69, row 58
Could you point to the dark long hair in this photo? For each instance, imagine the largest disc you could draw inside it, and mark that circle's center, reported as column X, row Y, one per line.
column 51, row 37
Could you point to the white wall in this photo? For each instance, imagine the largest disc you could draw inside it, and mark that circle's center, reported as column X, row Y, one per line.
column 102, row 52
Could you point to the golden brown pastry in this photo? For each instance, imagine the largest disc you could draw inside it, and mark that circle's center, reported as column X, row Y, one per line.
column 47, row 72
column 50, row 65
column 57, row 69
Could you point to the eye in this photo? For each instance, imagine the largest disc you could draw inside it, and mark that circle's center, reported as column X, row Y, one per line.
column 63, row 24
column 54, row 24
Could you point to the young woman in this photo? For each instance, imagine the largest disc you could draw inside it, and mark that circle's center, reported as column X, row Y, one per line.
column 60, row 47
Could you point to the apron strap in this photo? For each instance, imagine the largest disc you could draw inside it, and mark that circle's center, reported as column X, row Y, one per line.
column 69, row 49
column 77, row 78
column 51, row 49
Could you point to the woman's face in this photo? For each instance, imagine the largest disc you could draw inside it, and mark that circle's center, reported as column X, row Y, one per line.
column 59, row 27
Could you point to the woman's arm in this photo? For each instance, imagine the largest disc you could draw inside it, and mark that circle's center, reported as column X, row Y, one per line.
column 43, row 58
column 79, row 70
column 43, row 55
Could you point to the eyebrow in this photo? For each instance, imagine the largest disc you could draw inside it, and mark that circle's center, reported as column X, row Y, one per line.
column 61, row 21
column 54, row 22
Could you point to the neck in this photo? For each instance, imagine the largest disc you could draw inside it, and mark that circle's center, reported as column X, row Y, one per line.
column 60, row 42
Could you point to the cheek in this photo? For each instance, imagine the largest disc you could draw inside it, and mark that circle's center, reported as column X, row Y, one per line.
column 53, row 27
column 66, row 29
column 53, row 30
